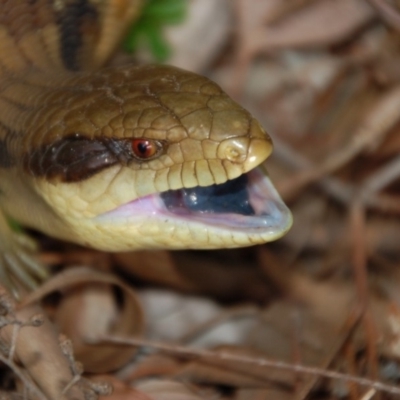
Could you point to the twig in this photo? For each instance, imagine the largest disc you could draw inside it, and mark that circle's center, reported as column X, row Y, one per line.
column 14, row 336
column 76, row 368
column 358, row 229
column 369, row 394
column 261, row 362
column 28, row 383
column 387, row 12
column 370, row 133
column 339, row 190
column 286, row 8
column 349, row 353
column 381, row 178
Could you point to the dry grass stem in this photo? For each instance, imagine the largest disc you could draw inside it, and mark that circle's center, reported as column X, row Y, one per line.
column 262, row 362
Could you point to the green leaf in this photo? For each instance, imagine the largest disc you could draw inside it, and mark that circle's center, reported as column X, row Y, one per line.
column 148, row 30
column 167, row 11
column 14, row 225
column 158, row 45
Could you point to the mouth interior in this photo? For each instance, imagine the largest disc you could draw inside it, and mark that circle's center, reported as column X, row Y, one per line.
column 248, row 203
column 229, row 197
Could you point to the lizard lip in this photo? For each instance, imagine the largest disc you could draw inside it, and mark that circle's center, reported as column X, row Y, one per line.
column 249, row 203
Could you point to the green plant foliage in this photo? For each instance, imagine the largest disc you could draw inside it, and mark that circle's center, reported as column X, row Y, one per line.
column 14, row 225
column 148, row 30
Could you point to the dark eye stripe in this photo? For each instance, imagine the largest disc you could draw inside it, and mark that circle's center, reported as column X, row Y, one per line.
column 71, row 159
column 76, row 158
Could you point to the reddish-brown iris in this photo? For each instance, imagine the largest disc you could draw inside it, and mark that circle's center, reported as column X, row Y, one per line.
column 145, row 149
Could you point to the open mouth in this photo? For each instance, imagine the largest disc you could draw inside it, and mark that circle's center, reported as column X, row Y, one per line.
column 249, row 203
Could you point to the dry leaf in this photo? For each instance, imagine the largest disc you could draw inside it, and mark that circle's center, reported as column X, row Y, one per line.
column 79, row 309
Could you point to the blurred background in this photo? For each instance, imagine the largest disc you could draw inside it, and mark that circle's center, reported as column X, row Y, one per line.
column 323, row 77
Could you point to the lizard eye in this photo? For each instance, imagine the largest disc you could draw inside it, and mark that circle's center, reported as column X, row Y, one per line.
column 145, row 149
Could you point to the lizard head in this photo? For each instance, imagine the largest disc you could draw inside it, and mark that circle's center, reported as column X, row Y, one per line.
column 154, row 157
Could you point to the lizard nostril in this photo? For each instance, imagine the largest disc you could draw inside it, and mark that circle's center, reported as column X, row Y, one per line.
column 234, row 150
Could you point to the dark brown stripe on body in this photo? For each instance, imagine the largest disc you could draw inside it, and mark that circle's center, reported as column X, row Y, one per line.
column 77, row 19
column 6, row 159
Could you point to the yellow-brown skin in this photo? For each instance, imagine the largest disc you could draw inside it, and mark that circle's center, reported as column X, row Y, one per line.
column 209, row 137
